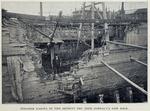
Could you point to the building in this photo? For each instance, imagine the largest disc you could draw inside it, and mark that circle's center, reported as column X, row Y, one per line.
column 87, row 14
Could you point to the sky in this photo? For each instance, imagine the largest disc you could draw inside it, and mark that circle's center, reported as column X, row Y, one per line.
column 67, row 8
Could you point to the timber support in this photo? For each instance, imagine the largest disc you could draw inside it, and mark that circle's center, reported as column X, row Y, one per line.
column 143, row 98
column 84, row 100
column 116, row 96
column 128, row 45
column 100, row 98
column 136, row 60
column 129, row 94
column 125, row 78
column 16, row 79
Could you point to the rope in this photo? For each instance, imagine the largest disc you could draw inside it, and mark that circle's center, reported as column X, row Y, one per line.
column 125, row 78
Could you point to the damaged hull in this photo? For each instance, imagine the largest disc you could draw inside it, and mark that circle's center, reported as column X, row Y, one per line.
column 97, row 79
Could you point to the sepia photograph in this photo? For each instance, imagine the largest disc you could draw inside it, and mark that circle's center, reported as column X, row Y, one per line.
column 74, row 52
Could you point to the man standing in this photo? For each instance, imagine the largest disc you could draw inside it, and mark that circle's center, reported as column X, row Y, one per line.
column 56, row 64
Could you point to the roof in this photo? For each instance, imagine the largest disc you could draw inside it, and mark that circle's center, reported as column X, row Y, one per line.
column 143, row 10
column 137, row 11
column 24, row 16
column 130, row 11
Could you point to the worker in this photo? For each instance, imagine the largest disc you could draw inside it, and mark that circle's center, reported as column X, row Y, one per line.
column 56, row 64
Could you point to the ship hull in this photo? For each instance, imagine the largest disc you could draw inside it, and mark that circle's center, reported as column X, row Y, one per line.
column 96, row 78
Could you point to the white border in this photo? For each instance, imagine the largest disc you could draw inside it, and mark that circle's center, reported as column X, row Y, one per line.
column 106, row 107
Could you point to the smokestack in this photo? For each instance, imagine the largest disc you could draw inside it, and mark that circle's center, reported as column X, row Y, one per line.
column 122, row 10
column 41, row 9
column 122, row 7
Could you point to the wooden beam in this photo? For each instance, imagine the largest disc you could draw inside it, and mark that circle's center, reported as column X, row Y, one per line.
column 12, row 78
column 125, row 78
column 66, row 92
column 74, row 98
column 34, row 28
column 84, row 100
column 128, row 45
column 116, row 96
column 94, row 4
column 80, row 27
column 25, row 16
column 100, row 98
column 16, row 79
column 129, row 94
column 100, row 16
column 92, row 29
column 13, row 51
column 104, row 11
column 142, row 96
column 136, row 60
column 110, row 21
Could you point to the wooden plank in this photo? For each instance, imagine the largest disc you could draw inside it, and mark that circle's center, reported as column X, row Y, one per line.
column 80, row 27
column 11, row 74
column 136, row 60
column 87, row 6
column 125, row 78
column 25, row 16
column 92, row 28
column 129, row 94
column 143, row 98
column 84, row 100
column 127, row 45
column 4, row 60
column 5, row 38
column 100, row 98
column 15, row 73
column 18, row 78
column 12, row 51
column 116, row 96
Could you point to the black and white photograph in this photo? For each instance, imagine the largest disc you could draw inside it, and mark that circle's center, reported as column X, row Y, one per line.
column 74, row 52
